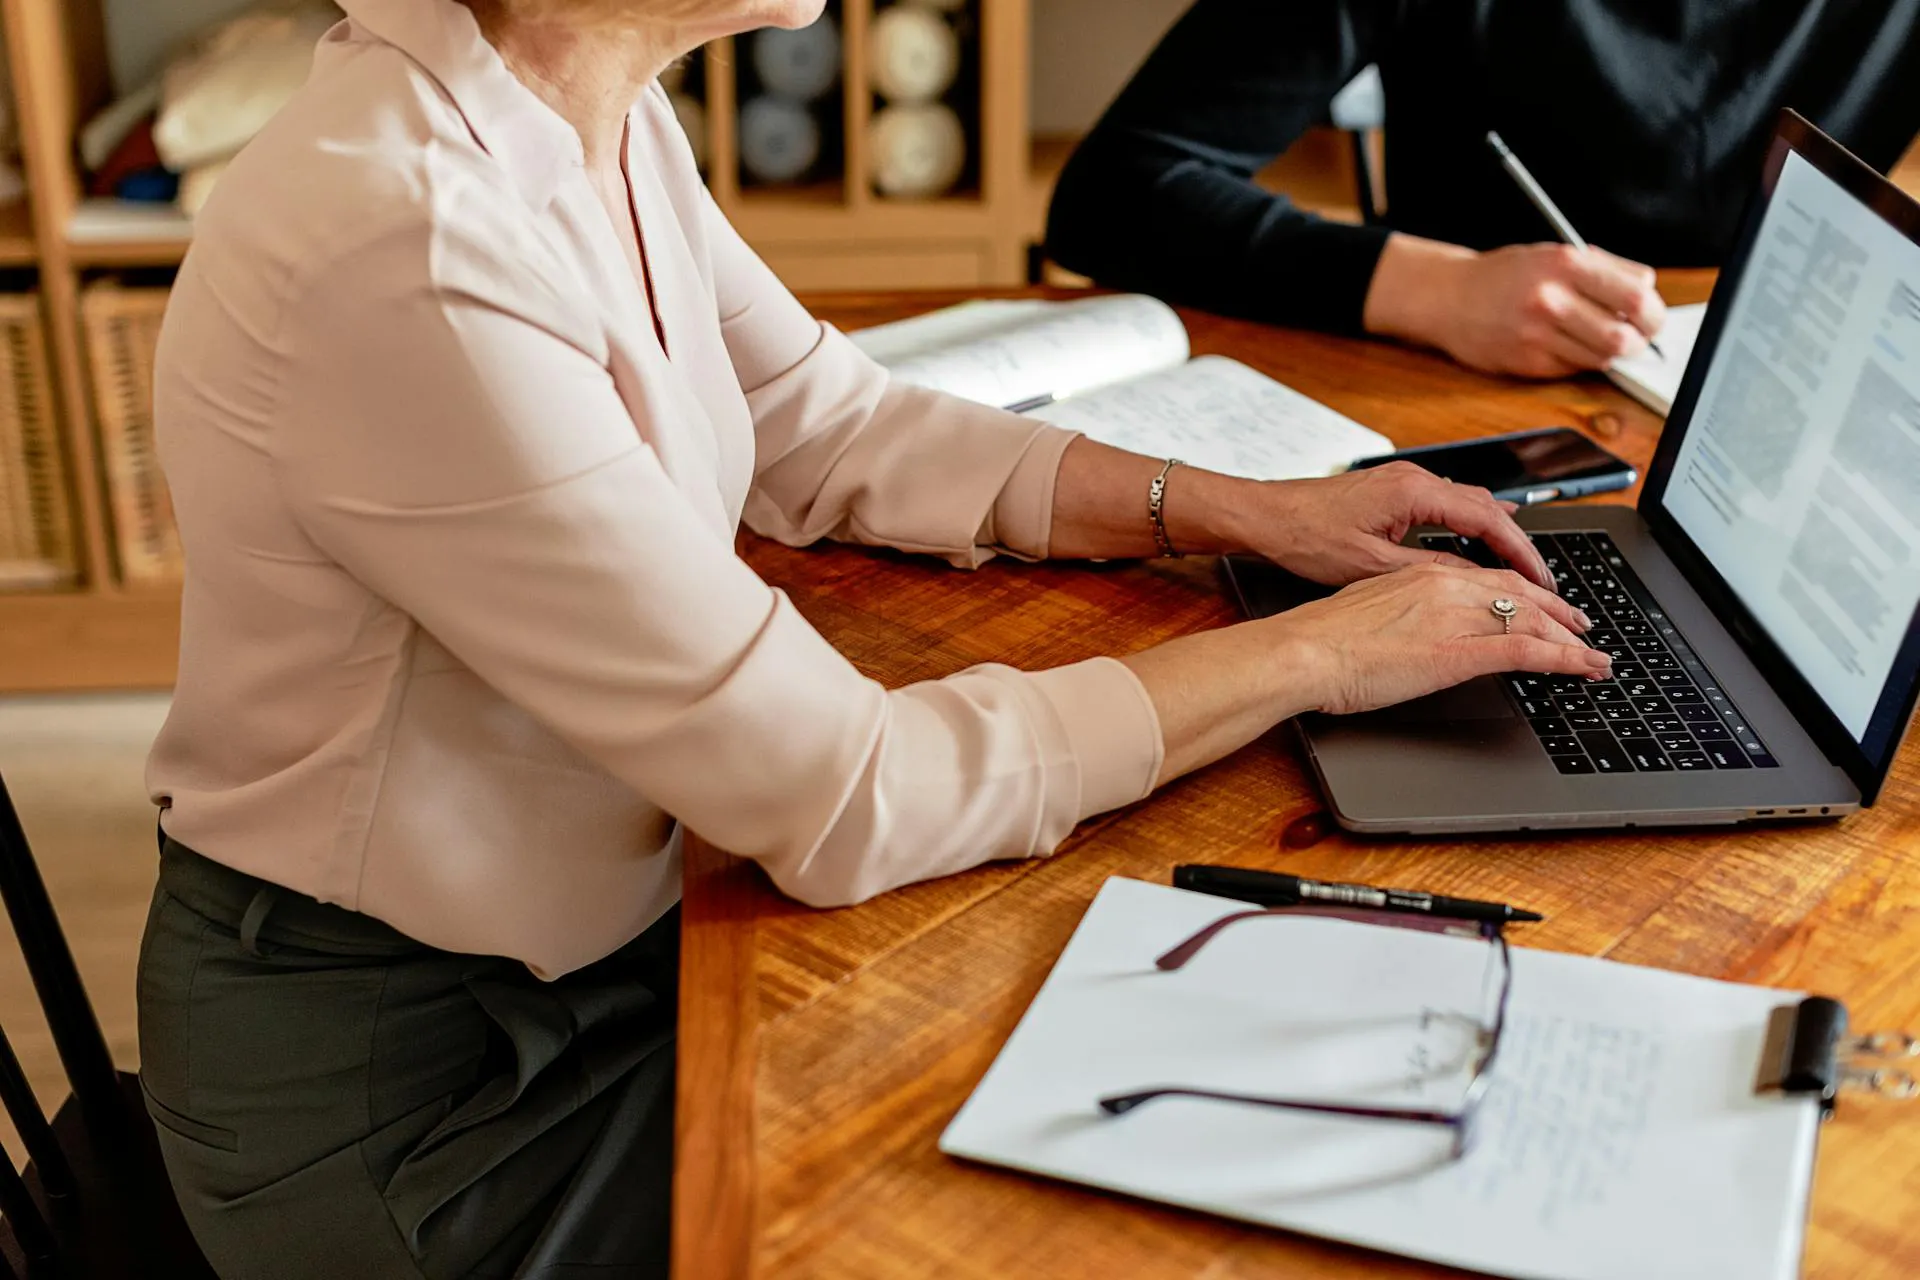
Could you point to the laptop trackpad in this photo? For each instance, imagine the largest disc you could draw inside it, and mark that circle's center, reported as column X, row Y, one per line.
column 1479, row 699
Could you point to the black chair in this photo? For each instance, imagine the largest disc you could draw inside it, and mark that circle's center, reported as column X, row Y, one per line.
column 1360, row 111
column 94, row 1202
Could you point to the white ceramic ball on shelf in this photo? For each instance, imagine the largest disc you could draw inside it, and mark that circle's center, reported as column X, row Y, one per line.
column 693, row 122
column 801, row 64
column 913, row 54
column 917, row 150
column 779, row 139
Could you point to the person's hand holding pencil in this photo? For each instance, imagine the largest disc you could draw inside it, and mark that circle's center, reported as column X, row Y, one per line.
column 1536, row 310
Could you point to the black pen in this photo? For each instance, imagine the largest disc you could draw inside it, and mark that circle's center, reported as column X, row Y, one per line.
column 1271, row 889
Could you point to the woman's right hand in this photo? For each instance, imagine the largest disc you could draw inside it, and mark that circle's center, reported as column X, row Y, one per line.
column 1425, row 628
column 1380, row 641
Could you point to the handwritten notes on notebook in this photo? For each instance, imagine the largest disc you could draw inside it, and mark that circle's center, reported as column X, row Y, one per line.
column 1217, row 413
column 1116, row 369
column 1620, row 1138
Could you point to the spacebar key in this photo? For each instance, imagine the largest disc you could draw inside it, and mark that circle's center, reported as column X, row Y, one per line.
column 1608, row 755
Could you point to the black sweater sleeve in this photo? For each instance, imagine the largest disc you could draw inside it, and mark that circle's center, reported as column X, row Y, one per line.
column 1160, row 197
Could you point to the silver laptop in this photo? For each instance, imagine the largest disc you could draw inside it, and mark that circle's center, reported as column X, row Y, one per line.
column 1760, row 603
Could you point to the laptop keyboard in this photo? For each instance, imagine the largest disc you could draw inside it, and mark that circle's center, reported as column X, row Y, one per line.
column 1662, row 712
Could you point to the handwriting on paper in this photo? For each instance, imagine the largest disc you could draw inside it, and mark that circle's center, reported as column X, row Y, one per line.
column 1565, row 1115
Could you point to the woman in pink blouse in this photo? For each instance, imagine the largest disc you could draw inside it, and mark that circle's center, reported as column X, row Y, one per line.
column 465, row 389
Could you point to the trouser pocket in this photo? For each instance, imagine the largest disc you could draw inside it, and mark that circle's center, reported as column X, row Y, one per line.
column 207, row 1135
column 256, row 1067
column 170, row 954
column 257, row 1063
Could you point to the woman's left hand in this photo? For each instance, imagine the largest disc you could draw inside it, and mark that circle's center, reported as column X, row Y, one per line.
column 1348, row 527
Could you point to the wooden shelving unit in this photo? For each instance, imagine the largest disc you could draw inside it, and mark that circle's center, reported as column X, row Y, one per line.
column 839, row 233
column 100, row 634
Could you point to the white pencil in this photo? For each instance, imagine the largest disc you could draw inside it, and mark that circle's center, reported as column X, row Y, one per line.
column 1544, row 203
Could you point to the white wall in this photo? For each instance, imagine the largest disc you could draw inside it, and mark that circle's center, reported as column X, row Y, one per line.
column 1085, row 50
column 141, row 34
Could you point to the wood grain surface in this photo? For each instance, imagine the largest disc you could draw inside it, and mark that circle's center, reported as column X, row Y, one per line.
column 823, row 1052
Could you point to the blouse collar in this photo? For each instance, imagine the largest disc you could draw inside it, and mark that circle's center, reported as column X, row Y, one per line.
column 526, row 136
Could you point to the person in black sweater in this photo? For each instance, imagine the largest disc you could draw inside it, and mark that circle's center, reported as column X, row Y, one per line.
column 1646, row 120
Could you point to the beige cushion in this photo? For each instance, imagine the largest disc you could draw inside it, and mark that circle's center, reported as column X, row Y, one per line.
column 225, row 87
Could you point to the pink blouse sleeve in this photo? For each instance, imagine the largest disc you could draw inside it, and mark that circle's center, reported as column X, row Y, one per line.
column 846, row 454
column 458, row 446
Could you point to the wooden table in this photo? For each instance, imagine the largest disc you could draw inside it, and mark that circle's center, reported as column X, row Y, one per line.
column 823, row 1053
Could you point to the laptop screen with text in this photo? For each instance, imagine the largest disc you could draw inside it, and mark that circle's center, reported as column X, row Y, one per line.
column 1799, row 474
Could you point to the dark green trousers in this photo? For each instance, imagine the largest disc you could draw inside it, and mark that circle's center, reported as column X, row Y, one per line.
column 336, row 1100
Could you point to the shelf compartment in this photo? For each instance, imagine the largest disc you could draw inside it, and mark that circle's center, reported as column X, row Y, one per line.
column 787, row 102
column 37, row 549
column 122, row 328
column 906, row 140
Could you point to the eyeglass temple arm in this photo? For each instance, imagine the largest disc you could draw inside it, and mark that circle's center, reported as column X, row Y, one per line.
column 1187, row 950
column 1119, row 1104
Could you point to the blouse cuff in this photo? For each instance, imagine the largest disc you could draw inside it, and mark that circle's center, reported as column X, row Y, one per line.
column 1111, row 728
column 1021, row 520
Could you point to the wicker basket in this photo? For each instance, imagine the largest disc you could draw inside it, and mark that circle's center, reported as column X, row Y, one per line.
column 36, row 523
column 122, row 328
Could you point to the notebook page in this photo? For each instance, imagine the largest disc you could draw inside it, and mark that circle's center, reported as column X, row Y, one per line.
column 1621, row 1141
column 924, row 335
column 1055, row 349
column 1654, row 380
column 1218, row 414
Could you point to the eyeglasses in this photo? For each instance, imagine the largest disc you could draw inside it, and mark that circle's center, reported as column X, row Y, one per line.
column 1462, row 1121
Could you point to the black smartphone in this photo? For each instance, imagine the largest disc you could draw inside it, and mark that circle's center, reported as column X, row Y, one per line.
column 1526, row 467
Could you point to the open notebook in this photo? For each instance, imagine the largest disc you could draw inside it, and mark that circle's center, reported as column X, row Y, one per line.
column 1116, row 369
column 1654, row 378
column 1621, row 1137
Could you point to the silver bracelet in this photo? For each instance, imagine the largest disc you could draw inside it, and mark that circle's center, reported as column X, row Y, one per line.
column 1156, row 501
